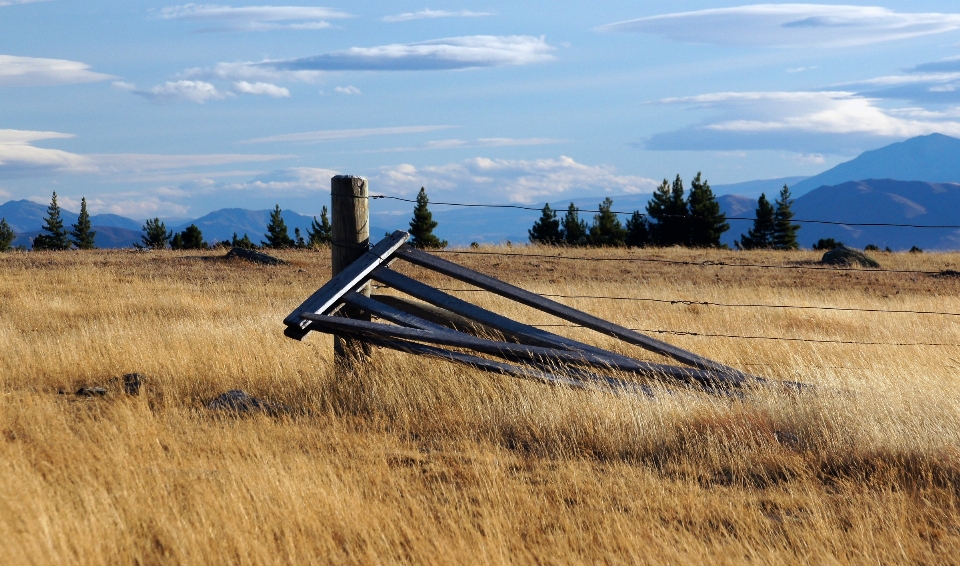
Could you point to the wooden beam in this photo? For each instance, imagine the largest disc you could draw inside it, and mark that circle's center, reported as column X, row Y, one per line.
column 536, row 336
column 560, row 310
column 505, row 349
column 355, row 275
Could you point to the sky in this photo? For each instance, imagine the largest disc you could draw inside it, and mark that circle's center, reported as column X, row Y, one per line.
column 149, row 108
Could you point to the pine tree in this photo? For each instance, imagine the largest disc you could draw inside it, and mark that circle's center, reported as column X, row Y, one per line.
column 277, row 235
column 82, row 235
column 761, row 235
column 784, row 232
column 669, row 209
column 190, row 239
column 243, row 243
column 547, row 229
column 606, row 229
column 422, row 224
column 7, row 235
column 707, row 223
column 320, row 233
column 155, row 235
column 573, row 231
column 56, row 237
column 638, row 235
column 298, row 239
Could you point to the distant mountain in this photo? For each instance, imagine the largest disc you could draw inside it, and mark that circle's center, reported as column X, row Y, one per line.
column 756, row 188
column 221, row 225
column 737, row 206
column 26, row 216
column 884, row 201
column 116, row 221
column 934, row 159
column 872, row 201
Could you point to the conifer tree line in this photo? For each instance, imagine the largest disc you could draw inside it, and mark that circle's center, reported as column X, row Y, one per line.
column 55, row 236
column 674, row 217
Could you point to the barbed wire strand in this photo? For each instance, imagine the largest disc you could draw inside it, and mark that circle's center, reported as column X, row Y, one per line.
column 797, row 220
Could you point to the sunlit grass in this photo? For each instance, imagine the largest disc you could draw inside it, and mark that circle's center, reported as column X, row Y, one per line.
column 416, row 460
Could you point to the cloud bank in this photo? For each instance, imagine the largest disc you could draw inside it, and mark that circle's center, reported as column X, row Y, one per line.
column 335, row 135
column 439, row 54
column 431, row 14
column 791, row 25
column 15, row 2
column 32, row 71
column 510, row 180
column 804, row 122
column 254, row 18
column 266, row 89
column 20, row 158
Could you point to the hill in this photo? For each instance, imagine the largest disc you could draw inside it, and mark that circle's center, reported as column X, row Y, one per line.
column 934, row 159
column 222, row 224
column 872, row 201
column 756, row 188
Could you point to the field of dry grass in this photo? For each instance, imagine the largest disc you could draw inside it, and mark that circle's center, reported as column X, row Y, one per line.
column 416, row 460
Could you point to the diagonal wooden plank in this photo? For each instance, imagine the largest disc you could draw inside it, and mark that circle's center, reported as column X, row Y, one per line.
column 327, row 296
column 560, row 310
column 536, row 336
column 508, row 350
column 477, row 362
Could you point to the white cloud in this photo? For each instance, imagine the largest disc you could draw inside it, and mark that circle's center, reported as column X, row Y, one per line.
column 430, row 14
column 509, row 180
column 334, row 135
column 15, row 2
column 254, row 18
column 791, row 25
column 805, row 122
column 809, row 158
column 481, row 142
column 18, row 157
column 296, row 181
column 179, row 91
column 5, row 194
column 249, row 72
column 347, row 90
column 134, row 162
column 32, row 71
column 138, row 206
column 267, row 89
column 801, row 69
column 439, row 54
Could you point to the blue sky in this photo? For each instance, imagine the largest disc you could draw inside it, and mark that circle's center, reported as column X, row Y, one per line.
column 162, row 109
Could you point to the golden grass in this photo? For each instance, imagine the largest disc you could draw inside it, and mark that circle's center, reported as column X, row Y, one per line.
column 417, row 460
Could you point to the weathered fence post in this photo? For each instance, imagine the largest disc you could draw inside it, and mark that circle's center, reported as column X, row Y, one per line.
column 350, row 217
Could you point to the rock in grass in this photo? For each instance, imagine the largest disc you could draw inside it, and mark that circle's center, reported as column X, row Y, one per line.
column 255, row 256
column 132, row 382
column 91, row 391
column 236, row 401
column 849, row 257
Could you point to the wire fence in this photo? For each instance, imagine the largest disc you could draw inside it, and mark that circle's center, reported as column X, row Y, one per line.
column 712, row 263
column 796, row 220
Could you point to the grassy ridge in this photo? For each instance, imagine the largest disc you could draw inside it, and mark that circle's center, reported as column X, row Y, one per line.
column 422, row 461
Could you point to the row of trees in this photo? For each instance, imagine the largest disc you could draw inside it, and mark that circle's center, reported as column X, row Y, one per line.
column 320, row 233
column 674, row 217
column 155, row 235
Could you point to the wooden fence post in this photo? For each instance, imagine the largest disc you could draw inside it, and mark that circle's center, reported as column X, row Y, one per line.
column 350, row 217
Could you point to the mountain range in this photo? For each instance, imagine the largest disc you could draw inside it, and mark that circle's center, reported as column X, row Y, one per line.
column 910, row 182
column 115, row 231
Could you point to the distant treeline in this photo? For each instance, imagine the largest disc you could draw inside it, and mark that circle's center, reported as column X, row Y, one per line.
column 674, row 217
column 155, row 236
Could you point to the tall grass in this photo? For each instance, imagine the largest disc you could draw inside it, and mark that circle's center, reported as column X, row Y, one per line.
column 416, row 460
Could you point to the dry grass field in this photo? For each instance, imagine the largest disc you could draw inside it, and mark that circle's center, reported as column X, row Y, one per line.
column 416, row 460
